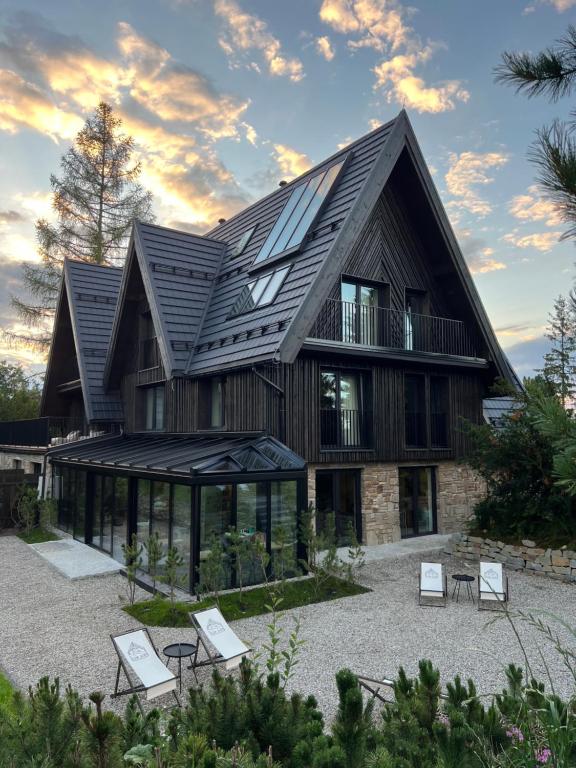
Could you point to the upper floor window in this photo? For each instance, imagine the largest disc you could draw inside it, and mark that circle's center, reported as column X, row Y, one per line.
column 415, row 307
column 360, row 312
column 154, row 408
column 344, row 409
column 211, row 403
column 149, row 356
column 299, row 213
column 260, row 292
column 426, row 408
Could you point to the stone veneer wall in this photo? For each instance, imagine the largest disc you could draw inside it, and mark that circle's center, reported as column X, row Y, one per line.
column 555, row 563
column 458, row 488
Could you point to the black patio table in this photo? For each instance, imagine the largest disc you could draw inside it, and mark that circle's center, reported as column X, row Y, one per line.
column 179, row 651
column 459, row 579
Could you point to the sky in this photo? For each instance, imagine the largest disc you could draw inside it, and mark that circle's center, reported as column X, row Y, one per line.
column 224, row 98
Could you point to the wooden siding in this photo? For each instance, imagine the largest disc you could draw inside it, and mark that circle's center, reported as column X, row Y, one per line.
column 251, row 405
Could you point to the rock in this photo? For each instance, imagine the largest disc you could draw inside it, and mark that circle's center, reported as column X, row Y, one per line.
column 528, row 543
column 517, row 563
column 561, row 569
column 561, row 561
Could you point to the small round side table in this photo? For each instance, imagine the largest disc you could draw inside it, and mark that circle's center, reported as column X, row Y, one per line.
column 179, row 651
column 459, row 579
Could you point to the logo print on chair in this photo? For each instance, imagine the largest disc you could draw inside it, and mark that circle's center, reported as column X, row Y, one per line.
column 137, row 652
column 431, row 573
column 490, row 574
column 214, row 627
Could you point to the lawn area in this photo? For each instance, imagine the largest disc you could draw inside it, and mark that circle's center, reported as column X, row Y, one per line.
column 157, row 612
column 38, row 536
column 5, row 692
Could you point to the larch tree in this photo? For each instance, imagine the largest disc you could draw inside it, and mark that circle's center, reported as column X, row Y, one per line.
column 550, row 73
column 96, row 199
column 559, row 369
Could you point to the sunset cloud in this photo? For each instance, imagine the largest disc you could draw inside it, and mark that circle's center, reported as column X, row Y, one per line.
column 291, row 162
column 324, row 47
column 245, row 33
column 382, row 25
column 533, row 207
column 478, row 254
column 541, row 241
column 559, row 5
column 467, row 171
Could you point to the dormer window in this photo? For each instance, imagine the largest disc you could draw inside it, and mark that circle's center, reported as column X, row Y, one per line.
column 299, row 213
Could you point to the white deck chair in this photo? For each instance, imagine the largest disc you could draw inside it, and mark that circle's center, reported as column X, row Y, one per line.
column 492, row 586
column 143, row 667
column 432, row 585
column 221, row 644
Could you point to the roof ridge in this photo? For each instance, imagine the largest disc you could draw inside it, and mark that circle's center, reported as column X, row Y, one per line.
column 177, row 231
column 90, row 264
column 347, row 148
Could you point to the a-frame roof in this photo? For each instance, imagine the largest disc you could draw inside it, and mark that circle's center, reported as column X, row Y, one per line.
column 177, row 271
column 218, row 339
column 89, row 292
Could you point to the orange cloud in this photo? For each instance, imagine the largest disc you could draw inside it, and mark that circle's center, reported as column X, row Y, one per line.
column 324, row 47
column 291, row 162
column 541, row 241
column 478, row 254
column 532, row 207
column 467, row 171
column 245, row 32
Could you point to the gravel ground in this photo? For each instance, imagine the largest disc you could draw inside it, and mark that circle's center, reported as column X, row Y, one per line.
column 52, row 626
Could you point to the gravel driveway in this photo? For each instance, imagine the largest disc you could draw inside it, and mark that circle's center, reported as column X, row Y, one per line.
column 52, row 626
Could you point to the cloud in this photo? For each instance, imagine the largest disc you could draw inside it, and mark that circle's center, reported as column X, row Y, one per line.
column 382, row 25
column 533, row 207
column 559, row 5
column 527, row 356
column 324, row 47
column 11, row 217
column 291, row 162
column 541, row 241
column 478, row 254
column 51, row 82
column 245, row 32
column 467, row 171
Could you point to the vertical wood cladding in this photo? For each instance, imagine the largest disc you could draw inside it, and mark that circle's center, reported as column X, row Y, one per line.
column 252, row 405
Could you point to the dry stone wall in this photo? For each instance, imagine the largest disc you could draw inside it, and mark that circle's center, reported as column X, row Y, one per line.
column 557, row 564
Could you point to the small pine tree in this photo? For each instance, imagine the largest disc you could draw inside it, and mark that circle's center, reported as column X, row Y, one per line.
column 559, row 368
column 96, row 200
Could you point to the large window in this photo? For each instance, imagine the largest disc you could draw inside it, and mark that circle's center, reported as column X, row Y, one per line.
column 426, row 407
column 181, row 524
column 284, row 527
column 299, row 213
column 338, row 503
column 360, row 308
column 260, row 292
column 211, row 403
column 154, row 408
column 216, row 506
column 417, row 501
column 415, row 307
column 344, row 410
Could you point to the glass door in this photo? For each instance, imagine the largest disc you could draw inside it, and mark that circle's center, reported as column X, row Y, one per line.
column 417, row 491
column 359, row 313
column 338, row 496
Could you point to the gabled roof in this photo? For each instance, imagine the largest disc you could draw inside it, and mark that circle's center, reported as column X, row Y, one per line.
column 178, row 271
column 89, row 292
column 216, row 338
column 186, row 456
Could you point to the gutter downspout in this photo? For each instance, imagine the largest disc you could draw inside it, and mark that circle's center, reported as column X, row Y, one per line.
column 280, row 393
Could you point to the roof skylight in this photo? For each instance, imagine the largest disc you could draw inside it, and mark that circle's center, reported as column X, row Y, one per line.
column 301, row 209
column 260, row 292
column 240, row 246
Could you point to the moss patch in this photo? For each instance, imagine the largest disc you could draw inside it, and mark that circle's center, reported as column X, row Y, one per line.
column 157, row 612
column 38, row 536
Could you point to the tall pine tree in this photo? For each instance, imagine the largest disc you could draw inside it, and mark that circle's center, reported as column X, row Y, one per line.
column 560, row 362
column 96, row 199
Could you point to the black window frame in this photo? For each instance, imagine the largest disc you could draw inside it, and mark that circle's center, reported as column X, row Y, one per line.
column 144, row 394
column 383, row 303
column 434, row 488
column 205, row 396
column 364, row 411
column 424, row 425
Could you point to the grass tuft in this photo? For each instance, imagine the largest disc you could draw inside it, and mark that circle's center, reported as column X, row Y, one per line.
column 6, row 691
column 37, row 536
column 157, row 612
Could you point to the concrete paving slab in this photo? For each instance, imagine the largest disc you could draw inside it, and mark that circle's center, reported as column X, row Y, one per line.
column 76, row 560
column 415, row 546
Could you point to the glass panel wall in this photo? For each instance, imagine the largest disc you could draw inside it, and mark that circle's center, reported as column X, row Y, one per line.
column 284, row 527
column 120, row 518
column 215, row 520
column 80, row 516
column 161, row 516
column 252, row 525
column 181, row 524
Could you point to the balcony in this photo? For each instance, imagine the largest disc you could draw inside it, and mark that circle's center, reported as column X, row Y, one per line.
column 391, row 329
column 40, row 432
column 342, row 429
column 150, row 367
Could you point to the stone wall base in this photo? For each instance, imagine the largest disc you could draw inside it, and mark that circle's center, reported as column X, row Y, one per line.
column 559, row 564
column 458, row 489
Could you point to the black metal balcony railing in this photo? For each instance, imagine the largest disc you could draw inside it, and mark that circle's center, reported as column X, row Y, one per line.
column 39, row 432
column 353, row 323
column 345, row 428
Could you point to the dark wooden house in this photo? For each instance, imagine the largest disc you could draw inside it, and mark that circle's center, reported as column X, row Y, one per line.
column 323, row 345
